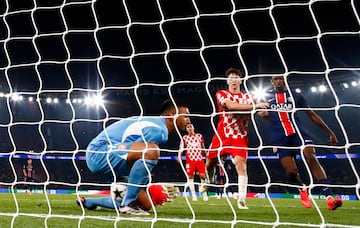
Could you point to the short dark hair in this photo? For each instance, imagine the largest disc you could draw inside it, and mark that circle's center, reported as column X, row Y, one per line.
column 233, row 71
column 168, row 104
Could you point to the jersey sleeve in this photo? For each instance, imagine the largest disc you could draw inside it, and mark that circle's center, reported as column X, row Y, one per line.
column 154, row 134
column 202, row 138
column 251, row 99
column 220, row 98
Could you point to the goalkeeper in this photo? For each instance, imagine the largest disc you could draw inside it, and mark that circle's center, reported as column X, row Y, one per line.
column 130, row 147
column 284, row 134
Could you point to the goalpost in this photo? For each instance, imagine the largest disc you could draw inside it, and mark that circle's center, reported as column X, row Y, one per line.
column 69, row 68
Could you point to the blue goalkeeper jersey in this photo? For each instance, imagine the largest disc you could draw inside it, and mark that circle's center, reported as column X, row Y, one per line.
column 134, row 129
column 281, row 119
column 109, row 149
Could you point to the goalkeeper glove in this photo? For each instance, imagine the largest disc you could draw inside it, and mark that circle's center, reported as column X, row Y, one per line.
column 162, row 193
column 172, row 190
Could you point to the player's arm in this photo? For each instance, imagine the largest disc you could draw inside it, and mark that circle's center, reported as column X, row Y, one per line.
column 264, row 114
column 182, row 150
column 24, row 171
column 203, row 148
column 319, row 122
column 229, row 105
column 204, row 151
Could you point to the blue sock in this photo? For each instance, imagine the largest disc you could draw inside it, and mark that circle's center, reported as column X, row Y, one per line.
column 105, row 202
column 325, row 190
column 139, row 176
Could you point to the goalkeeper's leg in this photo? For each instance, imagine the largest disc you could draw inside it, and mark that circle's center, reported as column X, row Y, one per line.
column 117, row 192
column 98, row 203
column 159, row 194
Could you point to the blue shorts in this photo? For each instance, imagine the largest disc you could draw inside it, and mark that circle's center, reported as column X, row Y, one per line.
column 290, row 141
column 101, row 157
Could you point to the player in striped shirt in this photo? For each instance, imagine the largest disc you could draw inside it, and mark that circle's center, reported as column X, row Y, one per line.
column 28, row 171
column 231, row 136
column 193, row 144
column 285, row 134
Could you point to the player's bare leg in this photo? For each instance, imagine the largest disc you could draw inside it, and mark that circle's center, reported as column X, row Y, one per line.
column 319, row 174
column 288, row 162
column 314, row 164
column 241, row 169
column 203, row 186
column 192, row 187
column 210, row 169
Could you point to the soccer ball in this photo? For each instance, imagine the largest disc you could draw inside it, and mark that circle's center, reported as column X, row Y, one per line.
column 117, row 191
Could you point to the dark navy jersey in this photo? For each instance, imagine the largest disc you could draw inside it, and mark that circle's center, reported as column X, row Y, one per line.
column 282, row 105
column 28, row 169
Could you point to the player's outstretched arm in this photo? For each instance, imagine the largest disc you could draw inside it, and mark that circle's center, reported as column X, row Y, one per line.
column 234, row 106
column 319, row 122
column 264, row 114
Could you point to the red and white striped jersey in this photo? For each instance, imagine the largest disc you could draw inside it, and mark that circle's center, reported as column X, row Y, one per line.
column 193, row 146
column 232, row 125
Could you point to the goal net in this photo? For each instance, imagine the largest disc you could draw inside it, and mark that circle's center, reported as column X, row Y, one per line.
column 70, row 68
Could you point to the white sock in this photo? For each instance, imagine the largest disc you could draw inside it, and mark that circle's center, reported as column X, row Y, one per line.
column 242, row 185
column 192, row 187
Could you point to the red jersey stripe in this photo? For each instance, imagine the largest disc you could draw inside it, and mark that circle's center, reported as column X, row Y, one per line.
column 284, row 116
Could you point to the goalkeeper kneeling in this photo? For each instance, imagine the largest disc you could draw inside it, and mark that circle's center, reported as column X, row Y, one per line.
column 159, row 194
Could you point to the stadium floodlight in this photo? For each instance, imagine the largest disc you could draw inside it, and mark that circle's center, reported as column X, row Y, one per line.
column 56, row 100
column 93, row 100
column 298, row 90
column 98, row 100
column 2, row 94
column 88, row 100
column 322, row 88
column 354, row 83
column 99, row 67
column 30, row 99
column 48, row 100
column 346, row 85
column 259, row 93
column 16, row 97
column 313, row 89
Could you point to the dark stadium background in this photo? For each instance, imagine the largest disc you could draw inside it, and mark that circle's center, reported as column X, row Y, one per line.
column 188, row 71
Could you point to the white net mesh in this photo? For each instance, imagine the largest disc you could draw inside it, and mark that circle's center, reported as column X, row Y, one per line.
column 70, row 68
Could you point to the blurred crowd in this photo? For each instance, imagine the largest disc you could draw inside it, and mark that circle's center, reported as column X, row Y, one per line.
column 62, row 174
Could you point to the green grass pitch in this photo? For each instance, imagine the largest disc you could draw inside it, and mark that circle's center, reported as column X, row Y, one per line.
column 34, row 211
